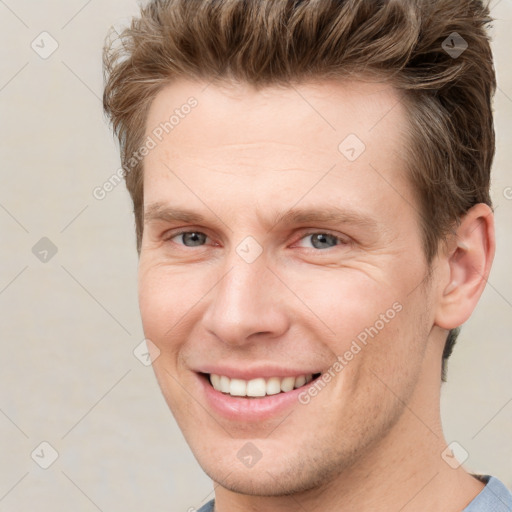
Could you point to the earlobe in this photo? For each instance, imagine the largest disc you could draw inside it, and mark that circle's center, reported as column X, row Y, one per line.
column 468, row 263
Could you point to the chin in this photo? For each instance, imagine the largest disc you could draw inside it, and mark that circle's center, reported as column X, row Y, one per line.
column 261, row 483
column 271, row 478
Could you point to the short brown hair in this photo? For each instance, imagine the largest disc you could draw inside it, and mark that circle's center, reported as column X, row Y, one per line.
column 419, row 46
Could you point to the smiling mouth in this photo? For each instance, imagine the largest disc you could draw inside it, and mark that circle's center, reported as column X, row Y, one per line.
column 259, row 387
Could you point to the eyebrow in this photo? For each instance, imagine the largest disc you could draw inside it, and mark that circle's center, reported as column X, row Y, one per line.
column 332, row 214
column 159, row 211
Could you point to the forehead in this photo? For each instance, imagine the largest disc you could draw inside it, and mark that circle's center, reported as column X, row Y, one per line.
column 278, row 139
column 324, row 113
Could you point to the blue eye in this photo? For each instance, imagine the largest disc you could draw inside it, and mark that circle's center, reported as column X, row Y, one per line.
column 321, row 240
column 194, row 237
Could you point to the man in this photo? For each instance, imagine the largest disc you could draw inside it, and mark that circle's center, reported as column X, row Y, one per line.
column 310, row 183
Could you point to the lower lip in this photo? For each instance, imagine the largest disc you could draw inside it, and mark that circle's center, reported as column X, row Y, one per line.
column 249, row 409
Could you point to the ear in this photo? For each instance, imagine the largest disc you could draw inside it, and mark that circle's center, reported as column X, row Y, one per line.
column 466, row 261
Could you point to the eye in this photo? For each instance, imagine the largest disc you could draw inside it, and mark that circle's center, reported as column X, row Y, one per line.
column 189, row 238
column 320, row 240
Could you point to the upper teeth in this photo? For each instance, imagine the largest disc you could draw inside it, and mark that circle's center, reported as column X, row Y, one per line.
column 257, row 387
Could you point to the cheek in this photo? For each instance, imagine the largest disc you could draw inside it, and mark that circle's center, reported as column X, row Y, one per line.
column 393, row 356
column 163, row 301
column 166, row 294
column 346, row 303
column 377, row 328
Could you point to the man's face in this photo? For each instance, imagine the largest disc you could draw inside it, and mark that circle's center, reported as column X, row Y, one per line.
column 266, row 284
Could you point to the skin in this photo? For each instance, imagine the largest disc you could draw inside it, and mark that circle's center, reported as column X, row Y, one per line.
column 372, row 438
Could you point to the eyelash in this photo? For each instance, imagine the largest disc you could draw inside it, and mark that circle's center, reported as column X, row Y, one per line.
column 304, row 235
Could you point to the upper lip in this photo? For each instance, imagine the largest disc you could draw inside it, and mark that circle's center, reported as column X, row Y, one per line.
column 237, row 372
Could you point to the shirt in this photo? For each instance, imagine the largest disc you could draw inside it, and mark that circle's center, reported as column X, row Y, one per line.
column 494, row 497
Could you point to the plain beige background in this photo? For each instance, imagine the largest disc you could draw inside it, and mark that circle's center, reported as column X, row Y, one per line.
column 70, row 325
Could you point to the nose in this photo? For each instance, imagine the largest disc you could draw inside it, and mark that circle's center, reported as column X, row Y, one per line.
column 247, row 304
